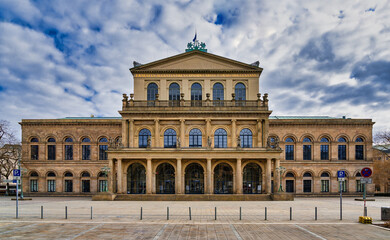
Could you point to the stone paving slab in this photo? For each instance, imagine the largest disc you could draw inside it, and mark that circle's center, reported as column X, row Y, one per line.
column 101, row 230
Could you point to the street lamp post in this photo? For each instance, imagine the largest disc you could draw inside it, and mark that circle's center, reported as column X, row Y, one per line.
column 281, row 170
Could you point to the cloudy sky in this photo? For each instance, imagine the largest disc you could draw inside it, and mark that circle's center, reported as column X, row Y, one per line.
column 71, row 58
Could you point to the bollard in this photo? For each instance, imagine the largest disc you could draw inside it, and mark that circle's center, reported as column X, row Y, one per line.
column 189, row 211
column 215, row 213
column 315, row 214
column 240, row 213
column 140, row 216
column 167, row 213
column 265, row 213
column 66, row 212
column 290, row 213
column 365, row 211
column 41, row 212
column 91, row 212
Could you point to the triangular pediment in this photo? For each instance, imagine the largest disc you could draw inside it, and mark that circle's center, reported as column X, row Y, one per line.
column 196, row 61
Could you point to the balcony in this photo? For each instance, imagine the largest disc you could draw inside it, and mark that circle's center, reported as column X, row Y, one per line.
column 261, row 104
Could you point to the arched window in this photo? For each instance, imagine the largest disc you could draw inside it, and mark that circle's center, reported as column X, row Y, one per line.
column 143, row 137
column 68, row 174
column 136, row 179
column 196, row 94
column 218, row 92
column 34, row 174
column 85, row 182
column 86, row 149
column 165, row 179
column 174, row 94
column 51, row 174
column 195, row 138
column 85, row 174
column 252, row 178
column 102, row 181
column 246, row 138
column 307, row 182
column 220, row 138
column 33, row 181
column 342, row 149
column 194, row 179
column 34, row 149
column 307, row 149
column 103, row 147
column 289, row 149
column 223, row 179
column 68, row 148
column 51, row 182
column 51, row 149
column 325, row 182
column 152, row 91
column 240, row 92
column 290, row 182
column 170, row 138
column 324, row 147
column 359, row 149
column 359, row 185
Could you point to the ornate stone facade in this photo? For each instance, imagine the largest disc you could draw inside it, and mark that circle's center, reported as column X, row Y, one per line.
column 196, row 124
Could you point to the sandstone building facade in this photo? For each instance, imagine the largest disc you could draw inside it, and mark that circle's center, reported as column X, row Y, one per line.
column 195, row 126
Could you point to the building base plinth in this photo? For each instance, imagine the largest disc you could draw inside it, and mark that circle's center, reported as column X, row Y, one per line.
column 104, row 197
column 193, row 197
column 282, row 197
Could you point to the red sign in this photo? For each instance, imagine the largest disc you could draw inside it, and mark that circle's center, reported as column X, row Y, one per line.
column 366, row 172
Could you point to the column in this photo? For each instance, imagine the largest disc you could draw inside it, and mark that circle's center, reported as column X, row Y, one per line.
column 259, row 134
column 178, row 176
column 265, row 132
column 156, row 133
column 111, row 176
column 234, row 138
column 125, row 132
column 239, row 177
column 149, row 176
column 276, row 176
column 182, row 132
column 208, row 172
column 131, row 133
column 208, row 129
column 119, row 175
column 268, row 176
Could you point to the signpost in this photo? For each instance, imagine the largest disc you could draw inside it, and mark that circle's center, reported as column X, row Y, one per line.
column 341, row 178
column 366, row 173
column 16, row 173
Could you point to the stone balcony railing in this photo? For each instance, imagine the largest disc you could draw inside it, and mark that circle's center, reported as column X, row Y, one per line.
column 260, row 104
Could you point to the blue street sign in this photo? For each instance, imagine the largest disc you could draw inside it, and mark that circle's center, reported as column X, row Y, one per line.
column 16, row 173
column 341, row 174
column 15, row 181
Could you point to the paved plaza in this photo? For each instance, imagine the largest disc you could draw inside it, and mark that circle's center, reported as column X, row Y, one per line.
column 121, row 220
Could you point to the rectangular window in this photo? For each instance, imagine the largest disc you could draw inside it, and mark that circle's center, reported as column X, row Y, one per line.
column 359, row 186
column 324, row 152
column 85, row 186
column 68, row 152
column 324, row 185
column 289, row 185
column 51, row 185
column 289, row 152
column 34, row 185
column 195, row 140
column 342, row 152
column 68, row 186
column 102, row 185
column 306, row 152
column 220, row 141
column 102, row 152
column 86, row 154
column 51, row 152
column 34, row 152
column 359, row 152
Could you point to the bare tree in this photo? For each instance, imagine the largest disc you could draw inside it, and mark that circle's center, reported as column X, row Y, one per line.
column 381, row 164
column 10, row 151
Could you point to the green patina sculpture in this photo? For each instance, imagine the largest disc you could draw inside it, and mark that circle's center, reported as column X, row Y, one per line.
column 196, row 45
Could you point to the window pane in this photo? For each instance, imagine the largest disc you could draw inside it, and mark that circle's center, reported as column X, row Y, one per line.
column 220, row 138
column 246, row 138
column 240, row 92
column 218, row 92
column 102, row 152
column 170, row 138
column 324, row 152
column 85, row 186
column 34, row 185
column 143, row 137
column 51, row 152
column 195, row 138
column 68, row 152
column 324, row 185
column 152, row 91
column 34, row 152
column 306, row 152
column 51, row 185
column 342, row 152
column 289, row 152
column 196, row 94
column 86, row 154
column 359, row 152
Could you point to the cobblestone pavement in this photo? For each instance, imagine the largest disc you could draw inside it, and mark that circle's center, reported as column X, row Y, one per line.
column 121, row 220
